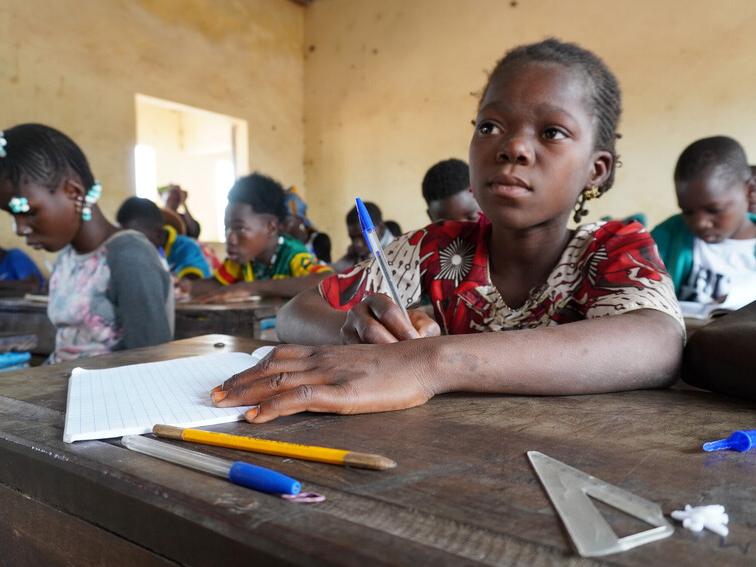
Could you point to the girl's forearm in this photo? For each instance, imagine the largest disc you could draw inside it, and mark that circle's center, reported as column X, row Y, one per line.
column 641, row 349
column 286, row 287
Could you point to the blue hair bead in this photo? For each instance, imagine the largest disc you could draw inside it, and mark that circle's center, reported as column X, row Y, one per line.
column 19, row 205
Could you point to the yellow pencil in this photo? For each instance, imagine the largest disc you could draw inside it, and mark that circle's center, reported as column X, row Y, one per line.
column 280, row 448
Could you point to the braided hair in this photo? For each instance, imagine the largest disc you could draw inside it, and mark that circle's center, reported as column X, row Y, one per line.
column 605, row 94
column 44, row 155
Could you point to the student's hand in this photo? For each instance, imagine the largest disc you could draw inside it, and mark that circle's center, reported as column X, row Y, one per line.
column 183, row 289
column 336, row 379
column 377, row 319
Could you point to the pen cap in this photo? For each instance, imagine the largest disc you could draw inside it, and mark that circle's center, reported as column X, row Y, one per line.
column 365, row 221
column 738, row 441
column 264, row 480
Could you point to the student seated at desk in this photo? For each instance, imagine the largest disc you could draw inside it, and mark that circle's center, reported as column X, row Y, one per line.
column 183, row 254
column 710, row 249
column 529, row 306
column 260, row 259
column 358, row 251
column 18, row 271
column 446, row 190
column 108, row 288
column 298, row 225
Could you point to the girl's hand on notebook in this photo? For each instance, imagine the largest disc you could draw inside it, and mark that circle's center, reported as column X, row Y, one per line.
column 378, row 320
column 335, row 379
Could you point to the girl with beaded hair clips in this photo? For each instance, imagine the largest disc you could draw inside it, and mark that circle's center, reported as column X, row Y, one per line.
column 525, row 304
column 108, row 288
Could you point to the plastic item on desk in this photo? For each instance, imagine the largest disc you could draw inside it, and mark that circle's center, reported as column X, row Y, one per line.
column 12, row 360
column 711, row 517
column 738, row 441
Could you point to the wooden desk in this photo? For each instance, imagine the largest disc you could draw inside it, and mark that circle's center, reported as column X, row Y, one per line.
column 238, row 319
column 21, row 316
column 463, row 492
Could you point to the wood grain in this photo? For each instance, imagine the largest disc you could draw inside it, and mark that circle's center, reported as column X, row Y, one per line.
column 462, row 493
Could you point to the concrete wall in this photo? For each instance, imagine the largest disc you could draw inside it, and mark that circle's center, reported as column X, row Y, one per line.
column 77, row 65
column 391, row 87
column 385, row 88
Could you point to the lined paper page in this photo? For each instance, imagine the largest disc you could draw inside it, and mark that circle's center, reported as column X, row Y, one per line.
column 129, row 400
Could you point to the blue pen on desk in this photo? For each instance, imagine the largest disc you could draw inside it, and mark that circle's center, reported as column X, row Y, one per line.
column 238, row 472
column 374, row 244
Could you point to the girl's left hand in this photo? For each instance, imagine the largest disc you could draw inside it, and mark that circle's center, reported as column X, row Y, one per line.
column 335, row 379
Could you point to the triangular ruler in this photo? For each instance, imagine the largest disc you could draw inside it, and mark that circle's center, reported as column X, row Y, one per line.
column 592, row 535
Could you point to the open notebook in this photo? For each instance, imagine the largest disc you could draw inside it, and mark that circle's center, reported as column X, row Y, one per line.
column 129, row 400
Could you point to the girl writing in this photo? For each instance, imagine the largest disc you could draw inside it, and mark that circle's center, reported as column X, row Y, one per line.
column 586, row 311
column 108, row 289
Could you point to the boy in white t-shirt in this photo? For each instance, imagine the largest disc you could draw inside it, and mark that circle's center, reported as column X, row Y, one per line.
column 710, row 249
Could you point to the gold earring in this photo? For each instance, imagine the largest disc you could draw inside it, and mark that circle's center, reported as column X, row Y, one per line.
column 593, row 192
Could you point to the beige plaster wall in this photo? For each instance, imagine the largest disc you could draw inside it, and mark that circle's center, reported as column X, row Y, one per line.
column 388, row 90
column 77, row 64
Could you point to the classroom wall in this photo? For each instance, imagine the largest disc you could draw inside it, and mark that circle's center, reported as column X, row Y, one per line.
column 391, row 88
column 77, row 65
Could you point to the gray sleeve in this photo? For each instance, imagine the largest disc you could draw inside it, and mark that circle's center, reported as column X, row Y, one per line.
column 140, row 289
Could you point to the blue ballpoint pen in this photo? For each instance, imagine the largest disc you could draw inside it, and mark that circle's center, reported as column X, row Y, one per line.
column 238, row 472
column 374, row 244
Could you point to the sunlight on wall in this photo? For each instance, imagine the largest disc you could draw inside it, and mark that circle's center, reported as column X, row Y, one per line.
column 201, row 151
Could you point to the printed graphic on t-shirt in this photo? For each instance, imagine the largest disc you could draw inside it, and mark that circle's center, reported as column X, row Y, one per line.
column 705, row 286
column 723, row 272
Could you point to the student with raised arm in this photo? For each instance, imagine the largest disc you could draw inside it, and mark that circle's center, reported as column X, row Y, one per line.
column 525, row 304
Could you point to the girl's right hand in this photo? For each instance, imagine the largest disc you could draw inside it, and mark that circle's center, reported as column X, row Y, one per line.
column 378, row 320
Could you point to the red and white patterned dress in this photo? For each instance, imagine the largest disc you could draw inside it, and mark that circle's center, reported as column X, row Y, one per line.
column 608, row 268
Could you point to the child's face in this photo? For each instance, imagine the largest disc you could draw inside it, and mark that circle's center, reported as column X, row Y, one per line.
column 248, row 234
column 52, row 221
column 295, row 226
column 532, row 151
column 461, row 206
column 359, row 246
column 714, row 205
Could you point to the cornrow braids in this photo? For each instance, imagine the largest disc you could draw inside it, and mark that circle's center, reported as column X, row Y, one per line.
column 605, row 95
column 718, row 151
column 444, row 179
column 262, row 193
column 38, row 153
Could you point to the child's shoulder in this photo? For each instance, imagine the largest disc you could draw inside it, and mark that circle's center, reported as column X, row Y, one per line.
column 17, row 255
column 673, row 224
column 608, row 238
column 185, row 243
column 442, row 232
column 130, row 245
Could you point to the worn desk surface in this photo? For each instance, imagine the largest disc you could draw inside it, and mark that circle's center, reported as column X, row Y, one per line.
column 20, row 315
column 239, row 319
column 463, row 491
column 192, row 319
